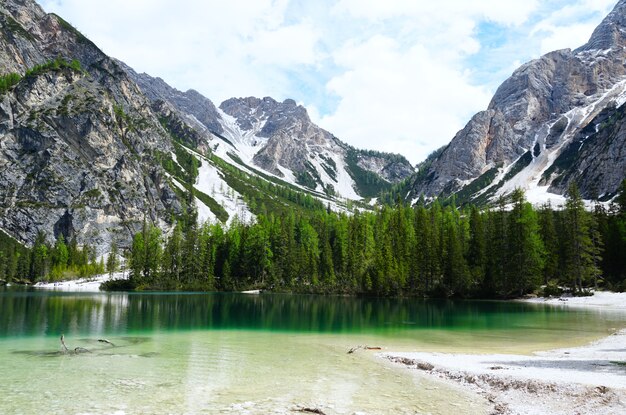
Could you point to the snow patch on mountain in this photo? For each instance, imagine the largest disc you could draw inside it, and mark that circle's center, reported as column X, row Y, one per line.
column 210, row 182
column 344, row 185
column 529, row 178
column 246, row 142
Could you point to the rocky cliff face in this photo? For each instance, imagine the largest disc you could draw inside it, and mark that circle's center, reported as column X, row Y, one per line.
column 77, row 142
column 284, row 128
column 278, row 138
column 85, row 141
column 191, row 105
column 286, row 142
column 540, row 108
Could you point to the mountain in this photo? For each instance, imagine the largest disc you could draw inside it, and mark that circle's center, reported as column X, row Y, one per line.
column 91, row 150
column 557, row 120
column 280, row 139
column 78, row 139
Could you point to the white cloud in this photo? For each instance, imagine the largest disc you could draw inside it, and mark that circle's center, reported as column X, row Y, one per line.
column 269, row 47
column 511, row 12
column 396, row 100
column 223, row 49
column 567, row 27
column 394, row 75
column 563, row 37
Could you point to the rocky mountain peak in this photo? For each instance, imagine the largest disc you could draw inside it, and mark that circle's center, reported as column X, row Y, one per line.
column 611, row 32
column 190, row 103
column 266, row 113
column 24, row 11
column 539, row 108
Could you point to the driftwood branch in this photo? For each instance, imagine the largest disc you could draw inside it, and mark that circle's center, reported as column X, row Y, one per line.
column 65, row 349
column 106, row 342
column 77, row 350
column 354, row 349
column 310, row 411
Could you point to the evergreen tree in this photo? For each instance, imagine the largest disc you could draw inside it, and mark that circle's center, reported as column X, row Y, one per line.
column 112, row 264
column 455, row 271
column 547, row 230
column 580, row 252
column 525, row 250
column 137, row 259
column 477, row 251
column 40, row 265
column 172, row 260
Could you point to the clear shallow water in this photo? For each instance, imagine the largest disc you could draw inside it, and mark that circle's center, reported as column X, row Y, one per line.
column 234, row 353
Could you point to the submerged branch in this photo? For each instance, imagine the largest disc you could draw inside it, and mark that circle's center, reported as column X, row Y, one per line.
column 354, row 349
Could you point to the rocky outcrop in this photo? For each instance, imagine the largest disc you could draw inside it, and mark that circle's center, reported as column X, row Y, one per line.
column 288, row 139
column 77, row 145
column 291, row 136
column 534, row 99
column 595, row 159
column 191, row 105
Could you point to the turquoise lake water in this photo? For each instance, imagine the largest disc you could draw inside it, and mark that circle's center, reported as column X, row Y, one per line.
column 269, row 353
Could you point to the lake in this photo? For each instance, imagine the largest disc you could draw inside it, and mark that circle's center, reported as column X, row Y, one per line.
column 271, row 353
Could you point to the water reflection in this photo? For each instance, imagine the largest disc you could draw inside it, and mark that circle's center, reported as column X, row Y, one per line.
column 42, row 313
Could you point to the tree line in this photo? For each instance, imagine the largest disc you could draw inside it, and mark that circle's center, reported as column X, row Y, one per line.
column 45, row 261
column 506, row 251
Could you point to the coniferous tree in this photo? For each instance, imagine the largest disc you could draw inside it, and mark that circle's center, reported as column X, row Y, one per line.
column 137, row 259
column 113, row 263
column 525, row 250
column 547, row 230
column 40, row 264
column 580, row 252
column 455, row 272
column 172, row 259
column 477, row 251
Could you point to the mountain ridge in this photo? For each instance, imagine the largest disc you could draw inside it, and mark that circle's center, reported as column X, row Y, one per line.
column 528, row 109
column 90, row 150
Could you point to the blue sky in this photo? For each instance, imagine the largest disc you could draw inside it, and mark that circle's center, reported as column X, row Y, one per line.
column 396, row 75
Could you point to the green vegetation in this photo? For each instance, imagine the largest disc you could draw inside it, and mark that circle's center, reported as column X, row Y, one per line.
column 10, row 80
column 440, row 251
column 46, row 262
column 519, row 165
column 308, row 177
column 399, row 191
column 436, row 251
column 263, row 197
column 52, row 66
column 217, row 209
column 465, row 194
column 79, row 36
column 369, row 184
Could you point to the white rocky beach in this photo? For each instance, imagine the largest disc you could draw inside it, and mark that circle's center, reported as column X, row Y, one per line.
column 581, row 380
column 91, row 284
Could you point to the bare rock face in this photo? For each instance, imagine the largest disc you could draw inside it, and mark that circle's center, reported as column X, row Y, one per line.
column 77, row 146
column 294, row 142
column 290, row 134
column 191, row 105
column 531, row 107
column 595, row 159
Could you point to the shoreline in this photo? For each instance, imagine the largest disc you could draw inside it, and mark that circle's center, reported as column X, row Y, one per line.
column 91, row 284
column 589, row 379
column 600, row 299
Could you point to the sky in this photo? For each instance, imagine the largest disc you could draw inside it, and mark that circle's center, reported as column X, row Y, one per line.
column 399, row 76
